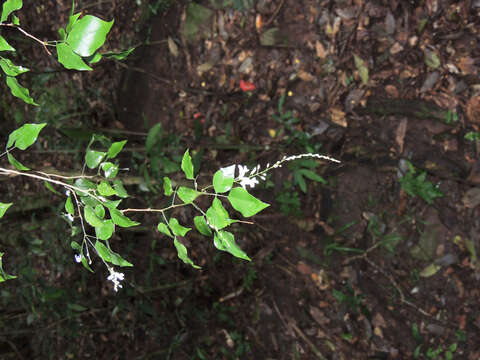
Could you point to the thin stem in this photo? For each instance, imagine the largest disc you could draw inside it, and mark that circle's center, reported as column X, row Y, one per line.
column 153, row 210
column 43, row 43
column 53, row 181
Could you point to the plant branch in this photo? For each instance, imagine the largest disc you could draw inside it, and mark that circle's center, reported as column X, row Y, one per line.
column 43, row 43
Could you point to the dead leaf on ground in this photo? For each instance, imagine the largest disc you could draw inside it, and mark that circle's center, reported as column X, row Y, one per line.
column 471, row 198
column 467, row 66
column 473, row 109
column 320, row 50
column 305, row 76
column 319, row 316
column 379, row 321
column 400, row 134
column 337, row 116
column 172, row 47
column 392, row 91
column 474, row 175
column 304, row 268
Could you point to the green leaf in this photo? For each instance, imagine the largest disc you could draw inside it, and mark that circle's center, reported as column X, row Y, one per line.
column 187, row 195
column 4, row 45
column 300, row 181
column 225, row 241
column 84, row 184
column 153, row 136
column 15, row 20
column 182, row 253
column 362, row 69
column 431, row 59
column 51, row 188
column 91, row 217
column 112, row 204
column 313, row 176
column 19, row 91
column 167, row 186
column 3, row 275
column 187, row 165
column 109, row 256
column 18, row 165
column 62, row 34
column 177, row 229
column 88, row 34
column 217, row 216
column 10, row 6
column 430, row 270
column 69, row 206
column 94, row 158
column 105, row 189
column 24, row 136
column 120, row 189
column 110, row 169
column 75, row 246
column 115, row 149
column 100, row 211
column 105, row 231
column 119, row 55
column 120, row 219
column 222, row 183
column 10, row 69
column 202, row 226
column 88, row 200
column 163, row 228
column 247, row 204
column 3, row 208
column 69, row 59
column 85, row 264
column 93, row 59
column 72, row 19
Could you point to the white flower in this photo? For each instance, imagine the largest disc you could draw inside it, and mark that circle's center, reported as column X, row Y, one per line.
column 69, row 217
column 78, row 258
column 228, row 172
column 242, row 170
column 246, row 181
column 67, row 192
column 115, row 277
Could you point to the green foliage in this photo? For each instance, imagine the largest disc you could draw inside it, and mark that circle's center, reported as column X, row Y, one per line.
column 78, row 45
column 354, row 302
column 304, row 168
column 472, row 136
column 418, row 185
column 289, row 201
column 432, row 352
column 92, row 204
column 3, row 275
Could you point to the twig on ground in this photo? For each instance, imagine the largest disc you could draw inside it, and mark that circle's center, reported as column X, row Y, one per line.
column 275, row 14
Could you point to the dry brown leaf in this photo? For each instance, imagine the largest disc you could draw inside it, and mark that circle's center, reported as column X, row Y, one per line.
column 319, row 316
column 396, row 48
column 392, row 91
column 320, row 49
column 337, row 116
column 471, row 198
column 400, row 134
column 467, row 66
column 258, row 22
column 304, row 268
column 172, row 47
column 379, row 321
column 305, row 76
column 473, row 109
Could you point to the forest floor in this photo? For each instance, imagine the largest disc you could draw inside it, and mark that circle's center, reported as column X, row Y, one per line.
column 374, row 260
